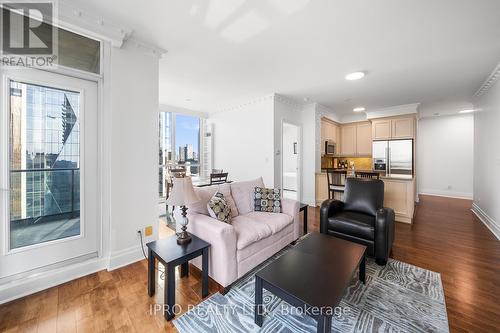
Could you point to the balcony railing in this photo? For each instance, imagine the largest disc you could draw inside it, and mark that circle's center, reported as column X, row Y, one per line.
column 60, row 189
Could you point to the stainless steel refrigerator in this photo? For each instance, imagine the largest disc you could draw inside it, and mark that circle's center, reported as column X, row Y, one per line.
column 394, row 157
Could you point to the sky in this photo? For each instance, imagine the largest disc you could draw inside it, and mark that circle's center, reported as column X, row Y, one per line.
column 186, row 131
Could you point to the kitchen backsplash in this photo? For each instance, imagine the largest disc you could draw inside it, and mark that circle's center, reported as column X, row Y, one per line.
column 360, row 163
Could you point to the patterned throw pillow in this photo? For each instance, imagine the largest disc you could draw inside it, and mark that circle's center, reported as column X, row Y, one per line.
column 267, row 200
column 219, row 209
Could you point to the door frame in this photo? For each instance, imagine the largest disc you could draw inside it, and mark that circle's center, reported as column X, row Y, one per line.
column 299, row 160
column 6, row 169
column 30, row 77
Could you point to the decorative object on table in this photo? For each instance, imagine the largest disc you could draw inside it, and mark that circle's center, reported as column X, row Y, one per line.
column 183, row 194
column 219, row 209
column 361, row 217
column 267, row 200
column 397, row 297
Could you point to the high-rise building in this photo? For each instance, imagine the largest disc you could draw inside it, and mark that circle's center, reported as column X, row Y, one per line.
column 189, row 152
column 44, row 137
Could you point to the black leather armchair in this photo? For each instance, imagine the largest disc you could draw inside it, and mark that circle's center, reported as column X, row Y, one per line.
column 361, row 218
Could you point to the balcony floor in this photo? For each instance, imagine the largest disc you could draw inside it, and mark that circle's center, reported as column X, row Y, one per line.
column 44, row 231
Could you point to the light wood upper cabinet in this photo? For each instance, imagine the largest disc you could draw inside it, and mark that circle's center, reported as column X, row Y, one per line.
column 381, row 129
column 348, row 140
column 402, row 128
column 364, row 139
column 329, row 131
column 393, row 128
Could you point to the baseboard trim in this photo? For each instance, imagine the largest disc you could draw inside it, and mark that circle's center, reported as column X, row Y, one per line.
column 41, row 281
column 447, row 194
column 125, row 257
column 487, row 220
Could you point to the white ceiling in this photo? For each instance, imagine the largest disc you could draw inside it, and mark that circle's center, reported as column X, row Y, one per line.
column 223, row 52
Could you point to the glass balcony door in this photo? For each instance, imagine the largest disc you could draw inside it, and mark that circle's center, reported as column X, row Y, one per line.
column 48, row 170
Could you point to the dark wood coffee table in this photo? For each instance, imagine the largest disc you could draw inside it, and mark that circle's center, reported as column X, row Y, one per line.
column 171, row 254
column 313, row 276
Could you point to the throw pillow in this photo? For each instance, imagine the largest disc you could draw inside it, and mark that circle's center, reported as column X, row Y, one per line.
column 243, row 194
column 219, row 209
column 267, row 200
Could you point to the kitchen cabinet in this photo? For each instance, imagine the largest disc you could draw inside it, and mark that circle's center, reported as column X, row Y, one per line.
column 402, row 128
column 381, row 129
column 364, row 139
column 329, row 131
column 399, row 194
column 321, row 188
column 348, row 140
column 393, row 128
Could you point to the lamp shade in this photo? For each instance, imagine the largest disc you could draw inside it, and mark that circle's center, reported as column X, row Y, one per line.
column 182, row 193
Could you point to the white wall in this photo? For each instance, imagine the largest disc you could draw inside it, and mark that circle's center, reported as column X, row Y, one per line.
column 310, row 145
column 445, row 155
column 487, row 158
column 133, row 150
column 285, row 110
column 244, row 140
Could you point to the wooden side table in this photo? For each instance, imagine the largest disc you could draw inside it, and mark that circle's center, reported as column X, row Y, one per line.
column 303, row 208
column 171, row 254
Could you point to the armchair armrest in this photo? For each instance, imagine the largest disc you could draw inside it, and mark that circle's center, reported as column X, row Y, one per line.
column 327, row 209
column 291, row 207
column 384, row 233
column 222, row 264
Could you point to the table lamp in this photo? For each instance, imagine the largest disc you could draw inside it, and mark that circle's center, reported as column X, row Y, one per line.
column 183, row 194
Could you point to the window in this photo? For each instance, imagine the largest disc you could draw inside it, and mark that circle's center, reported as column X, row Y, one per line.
column 187, row 142
column 44, row 150
column 179, row 146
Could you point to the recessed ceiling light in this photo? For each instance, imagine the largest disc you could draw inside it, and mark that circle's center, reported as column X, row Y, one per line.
column 188, row 99
column 355, row 76
column 466, row 111
column 359, row 109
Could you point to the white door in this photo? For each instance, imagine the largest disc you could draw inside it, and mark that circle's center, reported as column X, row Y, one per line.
column 48, row 171
column 290, row 161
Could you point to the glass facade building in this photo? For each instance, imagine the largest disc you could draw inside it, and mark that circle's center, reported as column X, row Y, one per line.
column 44, row 162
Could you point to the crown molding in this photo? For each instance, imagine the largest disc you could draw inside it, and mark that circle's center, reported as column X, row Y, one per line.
column 489, row 82
column 181, row 110
column 85, row 22
column 287, row 101
column 393, row 111
column 236, row 107
column 145, row 47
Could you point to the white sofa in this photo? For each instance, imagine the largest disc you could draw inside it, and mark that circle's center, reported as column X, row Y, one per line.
column 250, row 239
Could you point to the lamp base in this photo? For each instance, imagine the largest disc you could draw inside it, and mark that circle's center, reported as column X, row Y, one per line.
column 183, row 238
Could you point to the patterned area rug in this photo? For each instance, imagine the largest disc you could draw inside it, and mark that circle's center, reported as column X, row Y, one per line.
column 396, row 298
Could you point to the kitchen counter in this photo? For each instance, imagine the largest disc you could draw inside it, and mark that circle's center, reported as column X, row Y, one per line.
column 399, row 193
column 349, row 174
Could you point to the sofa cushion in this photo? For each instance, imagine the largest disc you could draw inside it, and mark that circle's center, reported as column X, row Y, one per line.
column 206, row 193
column 243, row 193
column 354, row 224
column 249, row 231
column 219, row 209
column 225, row 189
column 267, row 200
column 275, row 221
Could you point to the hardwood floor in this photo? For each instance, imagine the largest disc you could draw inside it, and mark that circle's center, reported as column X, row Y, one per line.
column 445, row 237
